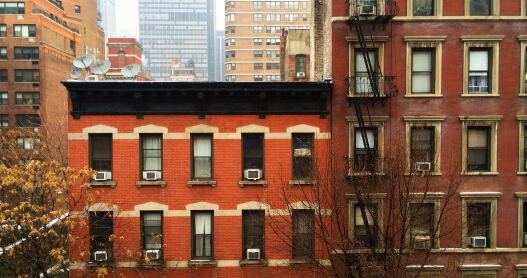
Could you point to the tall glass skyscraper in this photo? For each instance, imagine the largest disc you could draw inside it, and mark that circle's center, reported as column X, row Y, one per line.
column 177, row 29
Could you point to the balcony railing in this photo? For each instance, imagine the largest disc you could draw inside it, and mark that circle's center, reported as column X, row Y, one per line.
column 57, row 3
column 362, row 86
column 373, row 8
column 54, row 18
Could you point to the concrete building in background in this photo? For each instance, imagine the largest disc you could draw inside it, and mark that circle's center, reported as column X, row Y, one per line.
column 173, row 29
column 295, row 55
column 252, row 36
column 180, row 71
column 38, row 41
column 219, row 56
column 122, row 52
column 106, row 13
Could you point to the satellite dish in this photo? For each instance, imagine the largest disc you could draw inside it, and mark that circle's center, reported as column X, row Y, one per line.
column 75, row 73
column 131, row 70
column 101, row 67
column 84, row 61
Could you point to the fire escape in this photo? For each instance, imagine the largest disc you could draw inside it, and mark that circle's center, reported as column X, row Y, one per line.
column 370, row 86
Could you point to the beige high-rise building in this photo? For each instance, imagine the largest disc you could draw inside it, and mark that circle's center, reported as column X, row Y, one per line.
column 252, row 36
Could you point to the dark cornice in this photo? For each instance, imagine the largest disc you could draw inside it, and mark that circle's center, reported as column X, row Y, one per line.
column 198, row 98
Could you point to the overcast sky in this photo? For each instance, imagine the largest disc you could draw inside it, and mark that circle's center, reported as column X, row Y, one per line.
column 127, row 19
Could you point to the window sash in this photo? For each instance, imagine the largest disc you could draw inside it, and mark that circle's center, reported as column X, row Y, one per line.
column 202, row 235
column 478, row 154
column 101, row 152
column 480, row 70
column 360, row 152
column 360, row 231
column 481, row 7
column 27, row 98
column 300, row 63
column 152, row 230
column 151, row 152
column 4, row 121
column 253, row 151
column 253, row 231
column 4, row 98
column 479, row 220
column 423, row 7
column 303, row 234
column 302, row 155
column 27, row 76
column 101, row 229
column 202, row 156
column 28, row 120
column 362, row 81
column 423, row 68
column 26, row 53
column 524, row 215
column 422, row 144
column 422, row 219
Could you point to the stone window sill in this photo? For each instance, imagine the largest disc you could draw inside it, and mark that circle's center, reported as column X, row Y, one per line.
column 211, row 183
column 142, row 183
column 301, row 261
column 480, row 173
column 246, row 262
column 110, row 183
column 202, row 263
column 101, row 264
column 302, row 182
column 423, row 96
column 522, row 173
column 151, row 264
column 250, row 183
column 481, row 95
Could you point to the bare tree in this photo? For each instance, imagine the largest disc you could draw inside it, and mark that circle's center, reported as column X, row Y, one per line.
column 372, row 221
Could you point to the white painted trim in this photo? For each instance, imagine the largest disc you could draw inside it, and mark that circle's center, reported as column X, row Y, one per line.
column 101, row 207
column 201, row 128
column 479, row 267
column 150, row 206
column 99, row 129
column 202, row 206
column 151, row 129
column 252, row 128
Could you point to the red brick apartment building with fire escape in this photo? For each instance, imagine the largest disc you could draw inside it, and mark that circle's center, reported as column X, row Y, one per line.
column 447, row 78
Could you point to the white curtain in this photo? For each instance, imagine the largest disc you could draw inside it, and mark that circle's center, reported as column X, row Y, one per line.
column 477, row 138
column 359, row 142
column 203, row 231
column 202, row 146
column 479, row 60
column 152, row 153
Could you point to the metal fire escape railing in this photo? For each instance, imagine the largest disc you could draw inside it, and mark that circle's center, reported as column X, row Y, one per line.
column 371, row 86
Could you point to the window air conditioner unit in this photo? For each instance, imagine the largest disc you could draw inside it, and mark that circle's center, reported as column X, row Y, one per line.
column 478, row 241
column 421, row 242
column 153, row 254
column 100, row 256
column 102, row 176
column 367, row 10
column 253, row 254
column 300, row 74
column 252, row 174
column 423, row 166
column 151, row 175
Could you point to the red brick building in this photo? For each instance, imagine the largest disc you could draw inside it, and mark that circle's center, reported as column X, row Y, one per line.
column 448, row 76
column 190, row 173
column 122, row 52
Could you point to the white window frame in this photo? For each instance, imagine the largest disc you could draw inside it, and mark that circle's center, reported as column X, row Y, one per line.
column 376, row 122
column 435, row 42
column 438, row 9
column 479, row 197
column 492, row 42
column 424, row 121
column 486, row 121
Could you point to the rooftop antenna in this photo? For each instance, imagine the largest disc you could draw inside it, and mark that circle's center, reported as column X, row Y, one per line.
column 131, row 70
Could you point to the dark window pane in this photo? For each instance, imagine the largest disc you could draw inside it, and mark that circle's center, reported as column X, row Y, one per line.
column 365, row 232
column 27, row 98
column 524, row 215
column 4, row 98
column 478, row 155
column 478, row 220
column 28, row 120
column 365, row 151
column 302, row 155
column 422, row 145
column 4, row 121
column 151, row 152
column 101, row 152
column 151, row 229
column 27, row 76
column 253, row 151
column 3, row 75
column 423, row 7
column 300, row 63
column 101, row 230
column 202, row 239
column 202, row 156
column 303, row 234
column 26, row 53
column 480, row 7
column 253, row 231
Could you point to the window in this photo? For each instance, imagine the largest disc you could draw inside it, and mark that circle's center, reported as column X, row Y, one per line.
column 101, row 152
column 422, row 146
column 258, row 41
column 3, row 53
column 258, row 54
column 522, row 166
column 478, row 157
column 523, row 66
column 303, row 234
column 258, row 29
column 230, row 54
column 253, row 151
column 291, row 17
column 101, row 231
column 272, row 17
column 479, row 70
column 151, row 230
column 272, row 77
column 12, row 8
column 365, row 235
column 257, row 17
column 77, row 9
column 253, row 231
column 26, row 53
column 365, row 152
column 27, row 120
column 522, row 225
column 4, row 98
column 4, row 121
column 300, row 63
column 32, row 76
column 257, row 5
column 3, row 30
column 422, row 223
column 230, row 78
column 232, row 41
column 27, row 98
column 272, row 41
column 202, row 235
column 478, row 221
column 423, row 71
column 3, row 76
column 151, row 152
column 302, row 155
column 202, row 156
column 28, row 143
column 229, row 17
column 362, row 81
column 258, row 77
column 258, row 66
column 272, row 53
column 272, row 66
column 25, row 31
column 272, row 5
column 481, row 7
column 423, row 7
column 230, row 66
